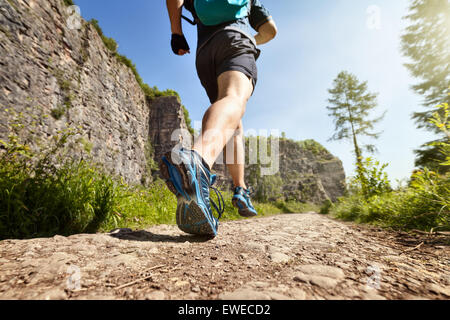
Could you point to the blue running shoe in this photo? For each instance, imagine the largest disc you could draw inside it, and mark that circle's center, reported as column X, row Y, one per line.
column 190, row 179
column 242, row 201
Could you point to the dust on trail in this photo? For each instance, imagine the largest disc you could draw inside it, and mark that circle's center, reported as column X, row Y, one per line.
column 295, row 256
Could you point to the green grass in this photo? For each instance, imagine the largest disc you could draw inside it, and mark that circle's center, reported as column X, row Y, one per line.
column 141, row 207
column 79, row 197
column 423, row 205
column 263, row 208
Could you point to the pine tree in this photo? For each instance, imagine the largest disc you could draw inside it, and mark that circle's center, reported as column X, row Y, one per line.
column 426, row 42
column 351, row 105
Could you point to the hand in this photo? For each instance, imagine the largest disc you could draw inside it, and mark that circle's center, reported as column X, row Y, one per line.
column 179, row 45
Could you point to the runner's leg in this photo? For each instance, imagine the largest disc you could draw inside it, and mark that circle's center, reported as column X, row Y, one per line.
column 236, row 160
column 224, row 116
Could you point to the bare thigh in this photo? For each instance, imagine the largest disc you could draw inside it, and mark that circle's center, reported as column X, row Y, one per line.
column 235, row 84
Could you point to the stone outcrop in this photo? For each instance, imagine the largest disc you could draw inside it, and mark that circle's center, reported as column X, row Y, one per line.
column 310, row 173
column 167, row 123
column 58, row 76
column 307, row 173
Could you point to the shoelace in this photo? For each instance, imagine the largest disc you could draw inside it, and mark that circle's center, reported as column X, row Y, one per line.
column 250, row 191
column 221, row 208
column 247, row 192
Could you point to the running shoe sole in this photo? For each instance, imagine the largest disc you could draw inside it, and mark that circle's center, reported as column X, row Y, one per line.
column 244, row 211
column 192, row 220
column 189, row 216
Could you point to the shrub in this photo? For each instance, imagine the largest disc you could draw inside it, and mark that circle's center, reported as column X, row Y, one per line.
column 95, row 24
column 110, row 43
column 69, row 2
column 44, row 192
column 188, row 120
column 314, row 147
column 423, row 204
column 326, row 206
column 371, row 179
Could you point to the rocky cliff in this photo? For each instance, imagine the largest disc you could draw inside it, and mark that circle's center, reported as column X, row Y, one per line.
column 307, row 173
column 166, row 117
column 65, row 76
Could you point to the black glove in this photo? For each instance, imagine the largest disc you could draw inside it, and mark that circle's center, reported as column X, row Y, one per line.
column 179, row 42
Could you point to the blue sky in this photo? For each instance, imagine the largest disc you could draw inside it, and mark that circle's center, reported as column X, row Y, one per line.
column 316, row 40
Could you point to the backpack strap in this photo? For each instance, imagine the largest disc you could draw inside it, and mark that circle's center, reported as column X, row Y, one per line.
column 189, row 5
column 189, row 20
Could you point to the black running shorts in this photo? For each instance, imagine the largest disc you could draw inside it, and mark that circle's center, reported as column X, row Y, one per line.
column 228, row 50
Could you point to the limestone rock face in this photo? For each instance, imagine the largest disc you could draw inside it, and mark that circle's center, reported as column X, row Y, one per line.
column 310, row 173
column 307, row 173
column 167, row 126
column 66, row 77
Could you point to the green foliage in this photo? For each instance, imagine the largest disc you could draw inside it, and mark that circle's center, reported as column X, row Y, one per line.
column 150, row 92
column 58, row 112
column 293, row 206
column 188, row 120
column 435, row 155
column 424, row 204
column 138, row 207
column 314, row 147
column 39, row 198
column 123, row 59
column 69, row 2
column 441, row 120
column 432, row 155
column 425, row 43
column 110, row 43
column 65, row 86
column 351, row 104
column 371, row 179
column 326, row 207
column 264, row 208
column 95, row 24
column 153, row 92
column 269, row 188
column 44, row 192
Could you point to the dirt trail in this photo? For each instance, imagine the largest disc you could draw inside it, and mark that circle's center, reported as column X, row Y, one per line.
column 297, row 256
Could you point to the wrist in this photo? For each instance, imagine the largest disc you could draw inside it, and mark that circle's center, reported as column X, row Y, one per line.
column 177, row 30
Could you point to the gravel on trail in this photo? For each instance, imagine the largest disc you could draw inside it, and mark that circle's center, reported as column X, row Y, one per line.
column 283, row 257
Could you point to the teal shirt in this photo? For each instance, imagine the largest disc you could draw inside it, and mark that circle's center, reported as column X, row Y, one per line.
column 257, row 17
